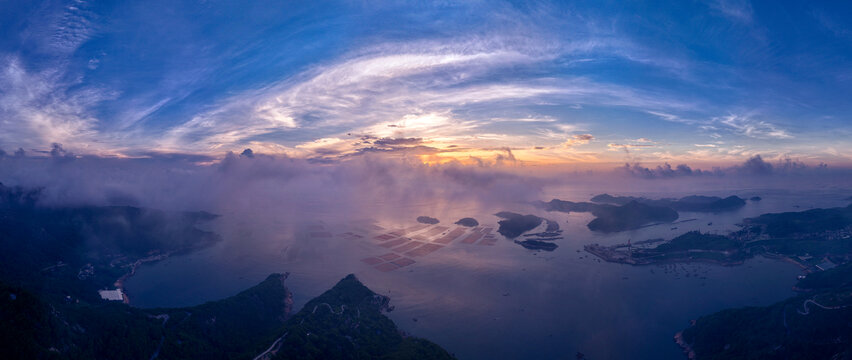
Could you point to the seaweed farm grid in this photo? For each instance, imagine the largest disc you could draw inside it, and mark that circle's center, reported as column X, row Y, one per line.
column 424, row 239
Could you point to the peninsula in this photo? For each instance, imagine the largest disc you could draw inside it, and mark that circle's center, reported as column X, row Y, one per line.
column 807, row 238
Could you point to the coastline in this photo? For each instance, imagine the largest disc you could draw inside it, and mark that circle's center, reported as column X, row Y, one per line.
column 608, row 254
column 119, row 283
column 687, row 349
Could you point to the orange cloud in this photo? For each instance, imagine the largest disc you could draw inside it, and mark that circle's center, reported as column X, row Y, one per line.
column 579, row 139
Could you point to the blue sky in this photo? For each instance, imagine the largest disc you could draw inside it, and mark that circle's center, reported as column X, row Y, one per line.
column 550, row 82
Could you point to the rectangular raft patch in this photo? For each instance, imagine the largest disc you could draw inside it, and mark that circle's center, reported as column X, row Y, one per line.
column 424, row 250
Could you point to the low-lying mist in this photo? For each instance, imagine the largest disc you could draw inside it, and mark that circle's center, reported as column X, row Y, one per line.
column 367, row 186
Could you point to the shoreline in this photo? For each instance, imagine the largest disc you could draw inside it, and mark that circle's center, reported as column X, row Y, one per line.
column 609, row 255
column 687, row 349
column 119, row 283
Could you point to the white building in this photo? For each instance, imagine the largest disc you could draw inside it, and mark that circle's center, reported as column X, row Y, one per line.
column 112, row 295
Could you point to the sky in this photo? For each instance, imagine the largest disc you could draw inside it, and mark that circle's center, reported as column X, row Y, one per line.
column 597, row 83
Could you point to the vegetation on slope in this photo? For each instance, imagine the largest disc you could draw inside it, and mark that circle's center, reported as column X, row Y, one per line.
column 812, row 325
column 346, row 322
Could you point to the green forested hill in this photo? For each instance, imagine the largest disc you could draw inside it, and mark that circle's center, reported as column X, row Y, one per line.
column 346, row 322
column 817, row 324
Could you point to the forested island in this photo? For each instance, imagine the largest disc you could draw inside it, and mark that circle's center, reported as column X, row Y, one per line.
column 514, row 225
column 692, row 203
column 467, row 222
column 427, row 220
column 614, row 218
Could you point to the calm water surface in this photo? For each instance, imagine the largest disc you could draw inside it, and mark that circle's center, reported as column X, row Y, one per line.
column 502, row 301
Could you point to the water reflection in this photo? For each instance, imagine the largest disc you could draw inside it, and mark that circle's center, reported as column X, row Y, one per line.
column 501, row 301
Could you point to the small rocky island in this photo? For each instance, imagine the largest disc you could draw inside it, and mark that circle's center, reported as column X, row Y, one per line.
column 537, row 244
column 467, row 222
column 515, row 225
column 427, row 220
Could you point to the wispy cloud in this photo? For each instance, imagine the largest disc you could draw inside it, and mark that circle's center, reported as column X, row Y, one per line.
column 59, row 28
column 74, row 28
column 737, row 10
column 37, row 109
column 747, row 126
column 535, row 79
column 625, row 147
column 579, row 139
column 671, row 117
column 826, row 22
column 378, row 91
column 365, row 92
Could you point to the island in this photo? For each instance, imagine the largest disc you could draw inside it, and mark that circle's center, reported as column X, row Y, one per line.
column 427, row 220
column 537, row 244
column 467, row 222
column 632, row 215
column 692, row 203
column 614, row 218
column 514, row 224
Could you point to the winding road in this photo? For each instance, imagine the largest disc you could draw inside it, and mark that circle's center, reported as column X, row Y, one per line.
column 272, row 349
column 342, row 308
column 811, row 301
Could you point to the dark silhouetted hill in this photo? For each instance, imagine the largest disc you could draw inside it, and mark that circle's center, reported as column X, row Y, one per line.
column 346, row 322
column 513, row 224
column 692, row 203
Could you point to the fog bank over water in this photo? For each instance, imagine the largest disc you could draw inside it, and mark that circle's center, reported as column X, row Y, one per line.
column 366, row 186
column 267, row 200
column 282, row 185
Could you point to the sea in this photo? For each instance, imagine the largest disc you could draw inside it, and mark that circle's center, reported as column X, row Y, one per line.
column 498, row 301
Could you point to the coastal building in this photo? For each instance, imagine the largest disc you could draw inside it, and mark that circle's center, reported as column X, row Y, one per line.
column 826, row 265
column 112, row 295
